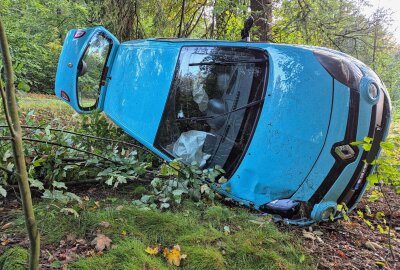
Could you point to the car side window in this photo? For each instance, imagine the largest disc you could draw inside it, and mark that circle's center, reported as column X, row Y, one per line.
column 213, row 105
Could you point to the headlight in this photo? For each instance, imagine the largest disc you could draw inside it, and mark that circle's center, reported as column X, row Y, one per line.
column 373, row 91
column 341, row 68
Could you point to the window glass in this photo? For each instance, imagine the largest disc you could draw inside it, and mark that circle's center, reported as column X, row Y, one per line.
column 90, row 70
column 213, row 105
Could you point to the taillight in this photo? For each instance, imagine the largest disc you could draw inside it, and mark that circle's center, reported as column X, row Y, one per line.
column 340, row 67
column 65, row 96
column 79, row 34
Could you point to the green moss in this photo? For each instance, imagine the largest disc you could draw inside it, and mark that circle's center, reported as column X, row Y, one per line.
column 204, row 257
column 201, row 235
column 217, row 214
column 15, row 258
column 127, row 254
column 199, row 232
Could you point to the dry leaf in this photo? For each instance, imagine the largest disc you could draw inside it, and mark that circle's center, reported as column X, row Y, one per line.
column 308, row 235
column 152, row 250
column 105, row 224
column 119, row 207
column 71, row 237
column 5, row 242
column 372, row 245
column 101, row 242
column 174, row 255
column 6, row 226
column 318, row 233
column 81, row 241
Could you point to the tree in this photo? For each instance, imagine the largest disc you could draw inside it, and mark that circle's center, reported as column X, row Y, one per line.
column 12, row 118
column 261, row 11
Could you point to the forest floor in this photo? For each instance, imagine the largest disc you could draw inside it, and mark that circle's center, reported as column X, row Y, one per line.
column 216, row 236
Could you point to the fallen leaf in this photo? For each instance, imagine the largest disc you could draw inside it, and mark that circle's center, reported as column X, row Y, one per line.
column 64, row 257
column 308, row 235
column 174, row 255
column 5, row 242
column 90, row 253
column 104, row 224
column 319, row 239
column 319, row 233
column 97, row 204
column 152, row 250
column 340, row 253
column 6, row 226
column 81, row 241
column 101, row 242
column 119, row 208
column 372, row 245
column 71, row 237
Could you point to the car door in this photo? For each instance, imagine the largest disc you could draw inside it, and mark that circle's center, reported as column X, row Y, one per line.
column 84, row 66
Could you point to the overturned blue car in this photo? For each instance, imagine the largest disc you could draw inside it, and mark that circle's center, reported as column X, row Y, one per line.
column 279, row 119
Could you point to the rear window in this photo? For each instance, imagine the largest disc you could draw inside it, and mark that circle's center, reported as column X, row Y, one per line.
column 213, row 105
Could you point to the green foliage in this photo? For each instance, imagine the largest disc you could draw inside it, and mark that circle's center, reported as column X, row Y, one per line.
column 386, row 173
column 36, row 29
column 179, row 182
column 51, row 166
column 387, row 166
column 14, row 259
column 343, row 26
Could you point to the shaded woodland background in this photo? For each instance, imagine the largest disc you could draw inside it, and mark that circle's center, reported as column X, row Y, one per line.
column 36, row 29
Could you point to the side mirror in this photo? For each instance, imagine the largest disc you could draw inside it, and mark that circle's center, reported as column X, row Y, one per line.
column 82, row 68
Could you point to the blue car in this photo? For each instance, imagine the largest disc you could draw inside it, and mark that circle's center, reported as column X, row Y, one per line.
column 279, row 119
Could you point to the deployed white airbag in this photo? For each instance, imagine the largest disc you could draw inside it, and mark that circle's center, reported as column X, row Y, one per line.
column 189, row 147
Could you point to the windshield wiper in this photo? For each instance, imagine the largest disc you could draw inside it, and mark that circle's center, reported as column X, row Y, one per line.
column 228, row 62
column 205, row 118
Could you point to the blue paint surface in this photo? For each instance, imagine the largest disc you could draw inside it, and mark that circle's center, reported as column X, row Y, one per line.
column 304, row 114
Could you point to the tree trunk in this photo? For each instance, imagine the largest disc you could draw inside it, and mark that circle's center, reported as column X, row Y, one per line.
column 11, row 113
column 261, row 11
column 182, row 21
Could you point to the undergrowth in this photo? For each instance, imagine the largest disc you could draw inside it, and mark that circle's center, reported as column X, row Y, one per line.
column 251, row 243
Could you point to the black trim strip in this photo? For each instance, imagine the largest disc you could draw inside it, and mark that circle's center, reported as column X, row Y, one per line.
column 379, row 121
column 350, row 136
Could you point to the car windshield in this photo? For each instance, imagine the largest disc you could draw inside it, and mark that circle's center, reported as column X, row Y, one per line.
column 213, row 105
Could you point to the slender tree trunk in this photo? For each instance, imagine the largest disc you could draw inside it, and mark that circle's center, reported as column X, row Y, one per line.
column 182, row 23
column 261, row 11
column 375, row 43
column 11, row 113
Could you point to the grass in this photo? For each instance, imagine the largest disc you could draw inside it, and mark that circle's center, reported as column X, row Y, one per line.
column 253, row 242
column 14, row 259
